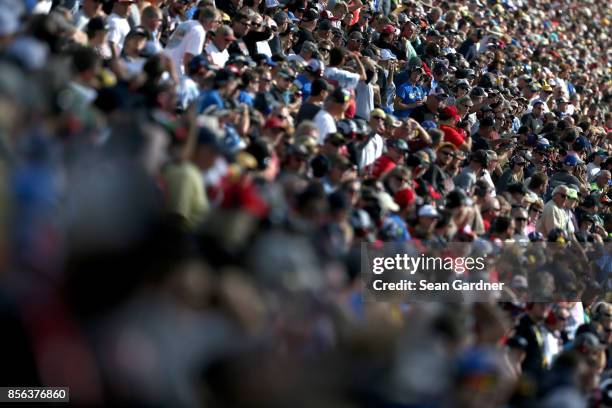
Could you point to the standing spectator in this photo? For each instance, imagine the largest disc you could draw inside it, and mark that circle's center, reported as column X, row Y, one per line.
column 187, row 40
column 333, row 110
column 118, row 26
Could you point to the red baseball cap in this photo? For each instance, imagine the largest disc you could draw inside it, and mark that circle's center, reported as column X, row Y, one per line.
column 404, row 197
column 388, row 29
column 451, row 112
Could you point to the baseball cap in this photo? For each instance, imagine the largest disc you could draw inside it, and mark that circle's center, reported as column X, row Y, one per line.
column 355, row 35
column 478, row 91
column 378, row 113
column 440, row 93
column 480, row 156
column 319, row 85
column 224, row 75
column 263, row 57
column 325, row 25
column 404, row 197
column 315, row 66
column 572, row 194
column 340, row 95
column 519, row 282
column 392, row 121
column 399, row 144
column 286, row 74
column 463, row 83
column 309, row 46
column 281, row 17
column 96, row 24
column 428, row 210
column 197, row 63
column 388, row 29
column 386, row 55
column 347, row 127
column 448, row 113
column 456, row 198
column 272, row 3
column 310, row 15
column 581, row 143
column 570, row 160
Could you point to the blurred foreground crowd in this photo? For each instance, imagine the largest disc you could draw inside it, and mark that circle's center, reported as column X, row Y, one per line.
column 185, row 187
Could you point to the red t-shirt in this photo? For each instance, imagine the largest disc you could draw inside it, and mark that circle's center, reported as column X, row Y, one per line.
column 382, row 165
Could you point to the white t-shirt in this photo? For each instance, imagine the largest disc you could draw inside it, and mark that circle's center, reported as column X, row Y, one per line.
column 218, row 58
column 325, row 123
column 118, row 29
column 371, row 151
column 342, row 78
column 189, row 38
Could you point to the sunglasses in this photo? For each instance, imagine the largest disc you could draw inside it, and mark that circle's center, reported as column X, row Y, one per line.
column 536, row 211
column 256, row 25
column 564, row 196
column 325, row 49
column 378, row 117
column 447, row 153
column 521, row 219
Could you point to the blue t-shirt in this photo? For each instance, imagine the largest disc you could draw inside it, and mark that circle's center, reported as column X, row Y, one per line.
column 408, row 93
column 208, row 98
column 305, row 86
column 245, row 97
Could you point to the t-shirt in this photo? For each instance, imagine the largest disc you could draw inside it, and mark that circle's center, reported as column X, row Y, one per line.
column 186, row 193
column 218, row 58
column 118, row 29
column 342, row 78
column 187, row 38
column 408, row 93
column 364, row 96
column 371, row 151
column 325, row 123
column 209, row 98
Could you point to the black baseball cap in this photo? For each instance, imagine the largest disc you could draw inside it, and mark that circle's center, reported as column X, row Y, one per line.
column 97, row 24
column 340, row 95
column 480, row 156
column 325, row 25
column 310, row 15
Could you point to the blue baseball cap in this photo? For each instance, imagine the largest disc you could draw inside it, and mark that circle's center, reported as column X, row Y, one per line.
column 571, row 161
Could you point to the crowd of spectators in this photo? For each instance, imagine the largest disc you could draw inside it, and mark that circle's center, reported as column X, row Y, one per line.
column 186, row 187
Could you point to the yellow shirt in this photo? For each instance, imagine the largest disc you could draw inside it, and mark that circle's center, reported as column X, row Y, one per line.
column 186, row 193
